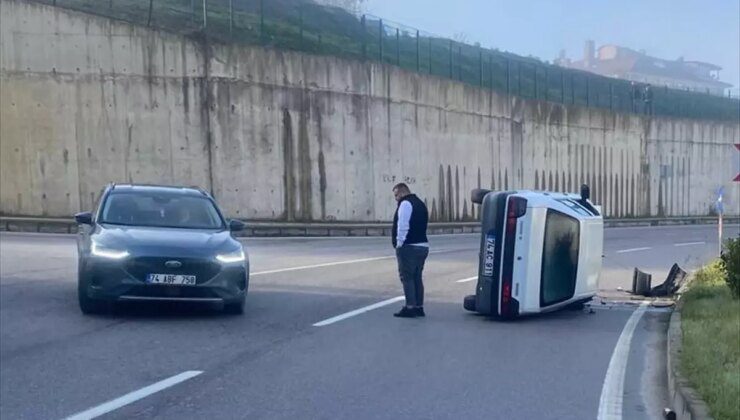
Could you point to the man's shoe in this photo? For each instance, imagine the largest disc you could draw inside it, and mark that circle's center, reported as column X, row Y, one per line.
column 405, row 313
column 420, row 311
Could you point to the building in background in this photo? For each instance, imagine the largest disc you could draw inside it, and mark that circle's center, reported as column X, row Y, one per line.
column 637, row 66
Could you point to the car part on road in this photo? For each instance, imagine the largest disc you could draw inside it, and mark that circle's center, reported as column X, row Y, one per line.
column 641, row 283
column 672, row 283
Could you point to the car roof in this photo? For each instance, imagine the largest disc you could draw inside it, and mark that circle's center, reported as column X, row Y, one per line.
column 170, row 189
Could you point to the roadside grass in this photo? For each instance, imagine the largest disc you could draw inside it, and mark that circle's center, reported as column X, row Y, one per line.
column 710, row 358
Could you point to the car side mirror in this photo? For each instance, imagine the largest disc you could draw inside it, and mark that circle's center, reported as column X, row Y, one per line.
column 84, row 218
column 236, row 225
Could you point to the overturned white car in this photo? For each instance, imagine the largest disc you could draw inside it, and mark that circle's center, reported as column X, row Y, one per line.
column 539, row 252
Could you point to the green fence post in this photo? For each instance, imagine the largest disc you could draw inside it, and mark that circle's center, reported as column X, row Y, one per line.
column 231, row 18
column 562, row 86
column 417, row 51
column 480, row 65
column 611, row 96
column 364, row 35
column 450, row 59
column 508, row 76
column 588, row 93
column 192, row 12
column 149, row 19
column 459, row 62
column 536, row 96
column 547, row 84
column 205, row 14
column 519, row 77
column 300, row 29
column 573, row 88
column 262, row 21
column 430, row 55
column 380, row 39
column 398, row 47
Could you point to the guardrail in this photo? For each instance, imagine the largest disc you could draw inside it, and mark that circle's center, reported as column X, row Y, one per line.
column 282, row 229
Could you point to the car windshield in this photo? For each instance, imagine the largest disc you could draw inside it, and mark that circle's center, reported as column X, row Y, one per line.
column 161, row 209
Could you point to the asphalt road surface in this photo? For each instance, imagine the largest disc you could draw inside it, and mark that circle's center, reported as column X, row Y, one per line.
column 176, row 362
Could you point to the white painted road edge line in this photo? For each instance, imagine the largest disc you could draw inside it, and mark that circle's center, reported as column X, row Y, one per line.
column 134, row 396
column 330, row 264
column 612, row 393
column 624, row 251
column 690, row 243
column 467, row 279
column 358, row 311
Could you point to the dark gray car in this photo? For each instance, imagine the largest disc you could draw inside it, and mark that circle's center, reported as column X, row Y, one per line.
column 157, row 243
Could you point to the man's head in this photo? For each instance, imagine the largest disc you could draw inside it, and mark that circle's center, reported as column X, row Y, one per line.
column 400, row 191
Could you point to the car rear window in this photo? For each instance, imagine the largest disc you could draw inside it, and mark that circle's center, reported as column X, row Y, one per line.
column 161, row 209
column 559, row 258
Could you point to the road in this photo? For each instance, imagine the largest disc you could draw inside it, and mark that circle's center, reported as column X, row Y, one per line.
column 273, row 363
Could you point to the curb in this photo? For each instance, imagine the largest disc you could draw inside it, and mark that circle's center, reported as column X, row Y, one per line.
column 683, row 399
column 338, row 229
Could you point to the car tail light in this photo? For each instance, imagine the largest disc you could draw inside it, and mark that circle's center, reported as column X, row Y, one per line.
column 516, row 208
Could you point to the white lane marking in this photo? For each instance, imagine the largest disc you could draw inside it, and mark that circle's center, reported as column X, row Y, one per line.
column 134, row 396
column 624, row 251
column 690, row 243
column 362, row 310
column 330, row 264
column 467, row 279
column 612, row 393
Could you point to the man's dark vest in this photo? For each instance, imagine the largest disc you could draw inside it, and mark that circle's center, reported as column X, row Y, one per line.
column 418, row 223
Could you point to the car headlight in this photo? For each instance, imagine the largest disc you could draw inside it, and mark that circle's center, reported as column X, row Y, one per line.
column 105, row 252
column 232, row 257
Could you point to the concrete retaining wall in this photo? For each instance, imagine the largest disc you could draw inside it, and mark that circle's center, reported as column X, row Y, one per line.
column 283, row 136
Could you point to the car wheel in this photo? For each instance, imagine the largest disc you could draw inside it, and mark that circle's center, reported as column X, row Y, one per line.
column 469, row 303
column 234, row 308
column 88, row 306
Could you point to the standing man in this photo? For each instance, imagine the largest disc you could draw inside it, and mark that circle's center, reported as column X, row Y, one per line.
column 412, row 248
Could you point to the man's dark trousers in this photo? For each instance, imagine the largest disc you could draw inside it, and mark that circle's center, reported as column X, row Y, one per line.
column 410, row 266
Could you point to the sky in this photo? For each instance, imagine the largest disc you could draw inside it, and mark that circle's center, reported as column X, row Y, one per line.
column 701, row 30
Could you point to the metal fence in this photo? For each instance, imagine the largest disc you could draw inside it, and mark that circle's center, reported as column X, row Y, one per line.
column 305, row 26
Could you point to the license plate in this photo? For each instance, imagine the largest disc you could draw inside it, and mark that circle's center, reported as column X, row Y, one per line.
column 488, row 262
column 174, row 279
